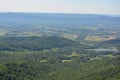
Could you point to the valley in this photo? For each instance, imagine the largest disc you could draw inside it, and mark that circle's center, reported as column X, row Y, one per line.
column 43, row 46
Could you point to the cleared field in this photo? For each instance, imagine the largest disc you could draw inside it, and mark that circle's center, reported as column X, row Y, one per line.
column 69, row 36
column 3, row 32
column 66, row 60
column 94, row 38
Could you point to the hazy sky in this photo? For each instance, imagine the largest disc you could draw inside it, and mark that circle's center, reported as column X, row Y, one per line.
column 61, row 6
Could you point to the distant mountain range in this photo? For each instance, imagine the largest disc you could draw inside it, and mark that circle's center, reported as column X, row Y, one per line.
column 53, row 18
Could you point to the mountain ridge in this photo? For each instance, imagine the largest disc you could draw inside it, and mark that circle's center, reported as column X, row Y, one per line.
column 35, row 43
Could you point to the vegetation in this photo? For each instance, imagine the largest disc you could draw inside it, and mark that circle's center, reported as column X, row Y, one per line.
column 55, row 63
column 35, row 43
column 59, row 47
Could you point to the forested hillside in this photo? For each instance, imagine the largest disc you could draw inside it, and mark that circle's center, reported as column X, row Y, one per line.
column 54, row 58
column 43, row 46
column 35, row 43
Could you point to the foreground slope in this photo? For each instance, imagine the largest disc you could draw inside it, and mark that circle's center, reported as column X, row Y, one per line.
column 44, row 64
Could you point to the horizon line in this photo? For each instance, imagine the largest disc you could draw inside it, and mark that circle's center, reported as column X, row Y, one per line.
column 58, row 13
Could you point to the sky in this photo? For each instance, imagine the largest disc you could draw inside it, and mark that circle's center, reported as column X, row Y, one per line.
column 61, row 6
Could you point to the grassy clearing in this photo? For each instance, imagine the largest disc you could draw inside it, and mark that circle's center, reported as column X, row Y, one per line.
column 65, row 60
column 3, row 32
column 42, row 61
column 70, row 36
column 94, row 38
